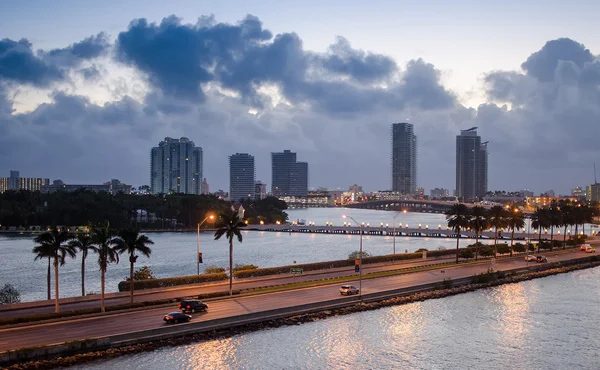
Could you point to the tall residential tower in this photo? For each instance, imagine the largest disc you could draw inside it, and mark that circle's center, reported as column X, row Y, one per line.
column 404, row 158
column 288, row 176
column 242, row 176
column 471, row 166
column 176, row 166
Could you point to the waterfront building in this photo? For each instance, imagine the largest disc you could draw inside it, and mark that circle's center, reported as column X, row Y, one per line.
column 242, row 176
column 112, row 187
column 543, row 201
column 176, row 167
column 260, row 190
column 404, row 158
column 439, row 193
column 205, row 187
column 593, row 193
column 471, row 166
column 288, row 177
column 16, row 182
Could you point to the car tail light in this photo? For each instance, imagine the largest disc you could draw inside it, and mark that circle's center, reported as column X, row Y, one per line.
column 188, row 306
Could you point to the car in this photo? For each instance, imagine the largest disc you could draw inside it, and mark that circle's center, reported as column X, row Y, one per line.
column 348, row 290
column 176, row 317
column 583, row 247
column 192, row 305
column 530, row 258
column 590, row 249
column 541, row 259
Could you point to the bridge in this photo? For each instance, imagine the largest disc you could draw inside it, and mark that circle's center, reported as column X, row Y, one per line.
column 430, row 231
column 413, row 205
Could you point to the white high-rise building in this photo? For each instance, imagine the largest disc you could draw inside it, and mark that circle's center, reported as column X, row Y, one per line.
column 176, row 166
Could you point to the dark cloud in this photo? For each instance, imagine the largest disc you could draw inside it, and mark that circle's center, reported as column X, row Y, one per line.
column 20, row 65
column 542, row 64
column 362, row 66
column 89, row 48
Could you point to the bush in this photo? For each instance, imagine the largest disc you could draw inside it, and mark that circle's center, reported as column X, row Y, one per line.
column 545, row 246
column 486, row 251
column 214, row 270
column 502, row 248
column 475, row 244
column 9, row 295
column 466, row 253
column 518, row 247
column 485, row 277
column 239, row 267
column 356, row 255
column 181, row 280
column 143, row 273
column 421, row 250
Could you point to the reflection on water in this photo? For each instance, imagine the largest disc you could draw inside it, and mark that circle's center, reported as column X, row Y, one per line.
column 548, row 323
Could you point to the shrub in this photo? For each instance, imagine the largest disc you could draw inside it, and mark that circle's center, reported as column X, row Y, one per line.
column 485, row 277
column 421, row 250
column 466, row 253
column 239, row 267
column 9, row 295
column 518, row 247
column 214, row 270
column 356, row 255
column 475, row 244
column 503, row 248
column 173, row 281
column 143, row 273
column 545, row 246
column 486, row 251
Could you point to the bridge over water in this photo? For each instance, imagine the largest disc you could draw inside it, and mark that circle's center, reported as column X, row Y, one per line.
column 411, row 205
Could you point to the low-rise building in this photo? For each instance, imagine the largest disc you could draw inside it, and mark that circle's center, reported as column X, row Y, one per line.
column 16, row 182
column 439, row 193
column 112, row 187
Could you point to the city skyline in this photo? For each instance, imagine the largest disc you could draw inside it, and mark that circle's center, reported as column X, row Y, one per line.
column 90, row 102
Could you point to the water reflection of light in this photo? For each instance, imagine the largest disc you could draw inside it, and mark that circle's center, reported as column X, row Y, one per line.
column 512, row 310
column 403, row 324
column 214, row 354
column 339, row 344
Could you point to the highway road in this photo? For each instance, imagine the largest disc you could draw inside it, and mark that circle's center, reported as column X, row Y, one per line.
column 105, row 325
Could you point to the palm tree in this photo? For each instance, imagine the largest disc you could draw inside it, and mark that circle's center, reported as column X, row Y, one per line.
column 53, row 243
column 515, row 220
column 554, row 219
column 83, row 243
column 130, row 241
column 478, row 223
column 539, row 220
column 458, row 218
column 229, row 226
column 497, row 219
column 44, row 251
column 102, row 237
column 567, row 219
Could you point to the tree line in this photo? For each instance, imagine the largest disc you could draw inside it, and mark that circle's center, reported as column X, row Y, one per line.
column 164, row 211
column 558, row 214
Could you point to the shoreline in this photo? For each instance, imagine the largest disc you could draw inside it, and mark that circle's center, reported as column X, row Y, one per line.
column 444, row 289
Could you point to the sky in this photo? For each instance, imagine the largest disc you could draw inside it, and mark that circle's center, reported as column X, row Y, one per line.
column 88, row 88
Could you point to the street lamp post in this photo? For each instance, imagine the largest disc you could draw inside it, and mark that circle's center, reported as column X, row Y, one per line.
column 210, row 217
column 395, row 229
column 360, row 255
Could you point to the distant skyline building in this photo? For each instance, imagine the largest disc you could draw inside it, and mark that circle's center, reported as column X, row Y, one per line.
column 404, row 158
column 471, row 166
column 242, row 176
column 260, row 190
column 176, row 166
column 439, row 193
column 16, row 182
column 288, row 177
column 112, row 187
column 205, row 188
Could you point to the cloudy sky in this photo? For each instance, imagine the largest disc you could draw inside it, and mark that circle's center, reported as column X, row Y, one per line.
column 87, row 88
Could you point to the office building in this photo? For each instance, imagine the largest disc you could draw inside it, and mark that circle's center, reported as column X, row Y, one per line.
column 176, row 167
column 16, row 182
column 260, row 190
column 471, row 166
column 439, row 193
column 288, row 177
column 205, row 187
column 404, row 158
column 242, row 176
column 112, row 187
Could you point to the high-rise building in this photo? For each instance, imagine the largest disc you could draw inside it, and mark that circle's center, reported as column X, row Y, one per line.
column 242, row 176
column 288, row 177
column 471, row 166
column 205, row 188
column 176, row 166
column 404, row 158
column 260, row 190
column 16, row 182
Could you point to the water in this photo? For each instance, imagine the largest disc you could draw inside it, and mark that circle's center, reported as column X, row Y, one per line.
column 538, row 324
column 174, row 254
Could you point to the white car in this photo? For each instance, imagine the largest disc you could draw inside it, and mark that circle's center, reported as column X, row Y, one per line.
column 530, row 258
column 590, row 249
column 348, row 290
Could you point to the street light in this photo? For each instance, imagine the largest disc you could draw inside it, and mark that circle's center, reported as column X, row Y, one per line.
column 209, row 217
column 396, row 215
column 360, row 253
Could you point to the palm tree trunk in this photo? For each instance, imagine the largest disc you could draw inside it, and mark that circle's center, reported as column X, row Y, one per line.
column 102, row 291
column 496, row 243
column 512, row 240
column 457, row 240
column 551, row 237
column 476, row 244
column 56, row 307
column 131, row 278
column 83, row 275
column 231, row 266
column 49, row 280
column 565, row 238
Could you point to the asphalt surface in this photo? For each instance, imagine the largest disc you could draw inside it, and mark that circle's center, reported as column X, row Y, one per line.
column 12, row 338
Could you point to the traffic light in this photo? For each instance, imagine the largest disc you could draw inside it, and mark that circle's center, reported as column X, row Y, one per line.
column 200, row 257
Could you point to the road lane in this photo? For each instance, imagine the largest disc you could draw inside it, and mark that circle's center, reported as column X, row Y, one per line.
column 100, row 326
